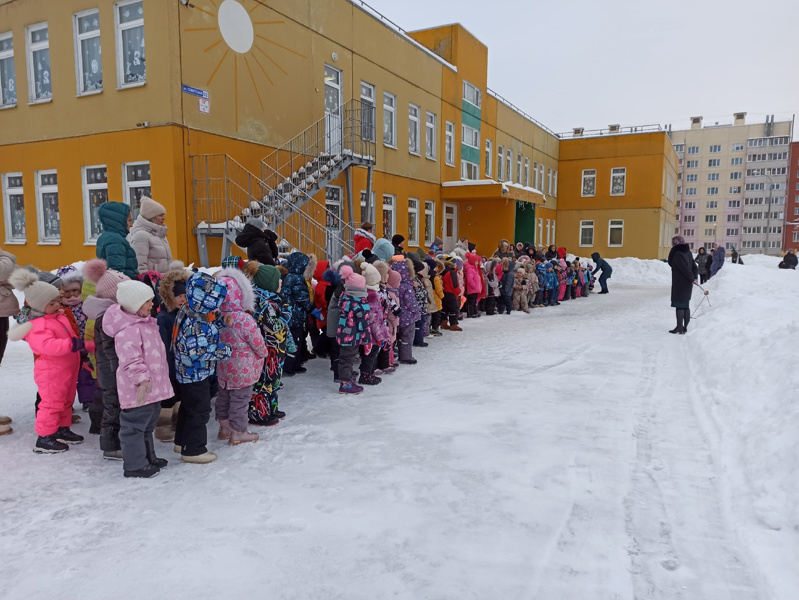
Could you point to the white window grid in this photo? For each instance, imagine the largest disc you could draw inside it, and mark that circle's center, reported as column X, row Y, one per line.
column 430, row 126
column 736, row 175
column 126, row 77
column 136, row 182
column 554, row 223
column 589, row 183
column 715, row 148
column 710, row 218
column 8, row 79
column 736, row 161
column 540, row 237
column 714, row 162
column 712, row 191
column 712, row 204
column 733, row 232
column 500, row 162
column 489, row 157
column 692, row 164
column 368, row 111
column 48, row 215
column 34, row 95
column 469, row 170
column 370, row 209
column 470, row 137
column 86, row 88
column 689, row 219
column 712, row 176
column 555, row 183
column 13, row 192
column 96, row 190
column 429, row 222
column 615, row 233
column 693, row 149
column 472, row 94
column 509, row 164
column 737, row 147
column 733, row 204
column 526, row 172
column 413, row 129
column 618, row 181
column 389, row 120
column 549, row 180
column 586, row 234
column 413, row 221
column 389, row 216
column 535, row 175
column 519, row 159
column 541, row 176
column 449, row 143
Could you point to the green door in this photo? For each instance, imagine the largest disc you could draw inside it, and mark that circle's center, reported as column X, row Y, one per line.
column 525, row 223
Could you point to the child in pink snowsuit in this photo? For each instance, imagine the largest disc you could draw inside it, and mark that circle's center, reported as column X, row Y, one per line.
column 56, row 348
column 142, row 376
column 238, row 373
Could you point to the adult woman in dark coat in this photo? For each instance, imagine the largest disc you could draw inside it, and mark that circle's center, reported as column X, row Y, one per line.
column 703, row 262
column 683, row 278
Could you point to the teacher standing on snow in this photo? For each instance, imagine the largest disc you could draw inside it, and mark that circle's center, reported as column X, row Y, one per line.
column 148, row 238
column 683, row 277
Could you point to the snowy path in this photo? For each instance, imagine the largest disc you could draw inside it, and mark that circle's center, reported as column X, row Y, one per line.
column 551, row 456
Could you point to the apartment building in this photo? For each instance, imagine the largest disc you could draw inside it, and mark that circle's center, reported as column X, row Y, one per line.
column 732, row 183
column 791, row 232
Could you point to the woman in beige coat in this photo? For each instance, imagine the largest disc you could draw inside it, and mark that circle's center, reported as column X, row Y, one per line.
column 9, row 307
column 148, row 238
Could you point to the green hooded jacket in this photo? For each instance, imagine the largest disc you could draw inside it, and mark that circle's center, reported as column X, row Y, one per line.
column 113, row 246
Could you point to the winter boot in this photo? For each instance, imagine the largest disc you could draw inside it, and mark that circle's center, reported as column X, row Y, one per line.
column 49, row 445
column 242, row 437
column 457, row 328
column 686, row 319
column 270, row 421
column 421, row 344
column 680, row 329
column 161, row 463
column 144, row 473
column 6, row 429
column 112, row 455
column 75, row 419
column 349, row 387
column 224, row 430
column 279, row 414
column 200, row 459
column 445, row 325
column 370, row 379
column 164, row 433
column 410, row 361
column 436, row 333
column 177, row 449
column 65, row 435
column 96, row 420
column 5, row 420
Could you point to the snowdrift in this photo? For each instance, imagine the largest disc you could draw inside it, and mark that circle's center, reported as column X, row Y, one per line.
column 636, row 270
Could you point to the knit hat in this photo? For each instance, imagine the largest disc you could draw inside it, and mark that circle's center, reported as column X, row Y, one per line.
column 255, row 222
column 371, row 275
column 69, row 274
column 150, row 208
column 677, row 239
column 438, row 242
column 106, row 280
column 38, row 294
column 383, row 269
column 398, row 258
column 267, row 278
column 398, row 239
column 394, row 280
column 232, row 262
column 179, row 288
column 418, row 265
column 351, row 278
column 48, row 277
column 131, row 295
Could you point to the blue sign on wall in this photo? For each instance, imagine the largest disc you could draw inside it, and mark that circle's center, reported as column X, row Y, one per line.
column 187, row 89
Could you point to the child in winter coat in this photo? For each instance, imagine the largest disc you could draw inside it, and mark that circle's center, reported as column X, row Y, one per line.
column 505, row 302
column 451, row 302
column 320, row 301
column 295, row 291
column 57, row 350
column 492, row 287
column 273, row 315
column 422, row 325
column 409, row 306
column 563, row 278
column 434, row 268
column 393, row 281
column 378, row 328
column 197, row 350
column 353, row 328
column 241, row 369
column 551, row 283
column 474, row 283
column 520, row 290
column 142, row 376
column 532, row 283
column 431, row 299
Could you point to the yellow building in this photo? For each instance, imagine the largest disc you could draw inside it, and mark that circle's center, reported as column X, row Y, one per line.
column 618, row 193
column 293, row 111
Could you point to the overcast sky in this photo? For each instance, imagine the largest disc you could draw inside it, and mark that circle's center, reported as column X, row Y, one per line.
column 589, row 63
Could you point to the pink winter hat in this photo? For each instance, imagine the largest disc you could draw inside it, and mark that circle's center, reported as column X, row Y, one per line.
column 105, row 279
column 351, row 278
column 394, row 280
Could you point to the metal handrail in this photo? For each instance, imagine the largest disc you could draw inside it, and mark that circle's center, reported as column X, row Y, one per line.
column 512, row 106
column 616, row 131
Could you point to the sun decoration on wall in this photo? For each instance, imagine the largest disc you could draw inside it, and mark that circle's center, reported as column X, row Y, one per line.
column 239, row 33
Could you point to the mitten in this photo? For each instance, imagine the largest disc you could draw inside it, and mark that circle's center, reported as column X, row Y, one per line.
column 78, row 345
column 317, row 313
column 142, row 391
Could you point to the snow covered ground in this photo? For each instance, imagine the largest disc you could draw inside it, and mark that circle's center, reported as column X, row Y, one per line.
column 580, row 452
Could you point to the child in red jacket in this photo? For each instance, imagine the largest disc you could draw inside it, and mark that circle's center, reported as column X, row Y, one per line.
column 452, row 292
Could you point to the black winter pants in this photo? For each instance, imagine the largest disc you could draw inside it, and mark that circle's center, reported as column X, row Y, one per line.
column 491, row 305
column 3, row 336
column 195, row 409
column 294, row 362
column 451, row 308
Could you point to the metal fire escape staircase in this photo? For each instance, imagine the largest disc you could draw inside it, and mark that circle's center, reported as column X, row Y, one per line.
column 226, row 193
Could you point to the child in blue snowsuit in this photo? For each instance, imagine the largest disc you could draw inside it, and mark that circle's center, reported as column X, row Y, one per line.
column 552, row 284
column 505, row 300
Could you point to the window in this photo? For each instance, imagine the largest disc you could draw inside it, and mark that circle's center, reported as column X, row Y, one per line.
column 586, row 233
column 540, row 237
column 367, row 111
column 449, row 143
column 413, row 129
column 712, row 176
column 712, row 204
column 796, row 211
column 526, row 172
column 14, row 208
column 679, row 147
column 710, row 218
column 737, row 161
column 388, row 216
column 796, row 236
column 471, row 137
column 549, row 238
column 469, row 170
column 136, row 182
column 8, row 84
column 535, row 175
column 692, row 164
column 367, row 213
column 736, row 175
column 389, row 120
column 690, row 191
column 688, row 232
column 735, row 189
column 430, row 135
column 693, row 149
column 429, row 222
column 715, row 148
column 710, row 233
column 489, row 157
column 689, row 219
column 129, row 22
column 688, row 205
column 714, row 162
column 47, row 213
column 95, row 194
column 691, row 177
column 500, row 162
column 413, row 222
column 752, row 230
column 471, row 94
column 88, row 59
column 553, row 230
column 733, row 204
column 777, row 229
column 549, row 181
column 508, row 163
column 737, row 147
column 615, row 233
column 733, row 218
column 618, row 181
column 555, row 184
column 519, row 169
column 733, row 232
column 712, row 191
column 40, row 85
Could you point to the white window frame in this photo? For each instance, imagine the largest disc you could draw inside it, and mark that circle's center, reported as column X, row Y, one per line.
column 392, row 208
column 501, row 163
column 469, row 171
column 390, row 108
column 40, row 191
column 368, row 100
column 477, row 94
column 540, row 238
column 614, row 224
column 549, row 232
column 693, row 149
column 88, row 187
column 131, row 185
column 449, row 143
column 736, row 161
column 549, row 180
column 587, row 175
column 413, row 209
column 118, row 29
column 413, row 126
column 715, row 148
column 623, row 175
column 541, row 176
column 30, row 48
column 509, row 165
column 555, row 184
column 713, row 177
column 79, row 39
column 586, row 225
column 554, row 222
column 4, row 55
column 737, row 147
column 535, row 175
column 430, row 128
column 519, row 168
column 489, row 157
column 526, row 172
column 470, row 137
column 7, row 191
column 371, row 208
column 429, row 232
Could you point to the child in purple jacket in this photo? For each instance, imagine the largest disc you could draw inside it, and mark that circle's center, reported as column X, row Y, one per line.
column 410, row 311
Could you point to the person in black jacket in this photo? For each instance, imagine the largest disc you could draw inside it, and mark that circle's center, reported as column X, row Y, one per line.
column 683, row 277
column 606, row 270
column 260, row 242
column 790, row 259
